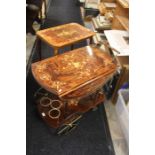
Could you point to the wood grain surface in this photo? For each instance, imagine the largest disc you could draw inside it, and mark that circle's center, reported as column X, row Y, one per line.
column 64, row 35
column 69, row 112
column 75, row 73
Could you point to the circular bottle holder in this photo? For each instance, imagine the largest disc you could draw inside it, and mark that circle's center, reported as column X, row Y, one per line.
column 54, row 113
column 56, row 104
column 45, row 101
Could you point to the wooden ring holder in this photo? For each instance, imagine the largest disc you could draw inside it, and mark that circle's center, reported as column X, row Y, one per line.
column 54, row 113
column 56, row 104
column 45, row 101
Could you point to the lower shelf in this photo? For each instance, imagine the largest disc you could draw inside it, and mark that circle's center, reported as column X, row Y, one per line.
column 68, row 111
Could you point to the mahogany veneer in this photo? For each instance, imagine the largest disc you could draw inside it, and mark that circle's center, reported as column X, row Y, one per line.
column 68, row 72
column 70, row 111
column 64, row 35
column 75, row 77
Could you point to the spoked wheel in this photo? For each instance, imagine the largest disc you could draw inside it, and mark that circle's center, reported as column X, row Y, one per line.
column 68, row 127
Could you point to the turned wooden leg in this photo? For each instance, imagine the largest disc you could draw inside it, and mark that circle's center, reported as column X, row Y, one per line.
column 55, row 51
column 45, row 7
column 39, row 48
column 41, row 18
column 90, row 40
column 72, row 47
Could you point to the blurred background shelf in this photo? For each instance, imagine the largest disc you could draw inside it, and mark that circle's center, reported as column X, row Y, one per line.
column 123, row 21
column 124, row 3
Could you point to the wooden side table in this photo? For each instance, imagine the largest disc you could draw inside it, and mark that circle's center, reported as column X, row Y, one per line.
column 64, row 35
column 76, row 78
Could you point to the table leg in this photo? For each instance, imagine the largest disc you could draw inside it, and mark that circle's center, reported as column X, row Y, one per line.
column 72, row 47
column 55, row 51
column 45, row 7
column 41, row 18
column 39, row 48
column 90, row 40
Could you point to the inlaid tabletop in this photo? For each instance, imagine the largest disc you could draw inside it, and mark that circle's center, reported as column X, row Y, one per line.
column 63, row 35
column 65, row 73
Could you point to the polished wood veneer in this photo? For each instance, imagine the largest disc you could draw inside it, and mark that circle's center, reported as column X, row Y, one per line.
column 64, row 35
column 85, row 68
column 75, row 78
column 70, row 111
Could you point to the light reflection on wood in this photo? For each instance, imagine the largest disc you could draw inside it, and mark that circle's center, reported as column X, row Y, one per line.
column 74, row 70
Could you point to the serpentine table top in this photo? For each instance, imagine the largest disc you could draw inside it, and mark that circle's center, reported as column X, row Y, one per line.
column 75, row 73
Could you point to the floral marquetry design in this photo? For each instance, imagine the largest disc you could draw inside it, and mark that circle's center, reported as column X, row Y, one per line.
column 84, row 69
column 66, row 34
